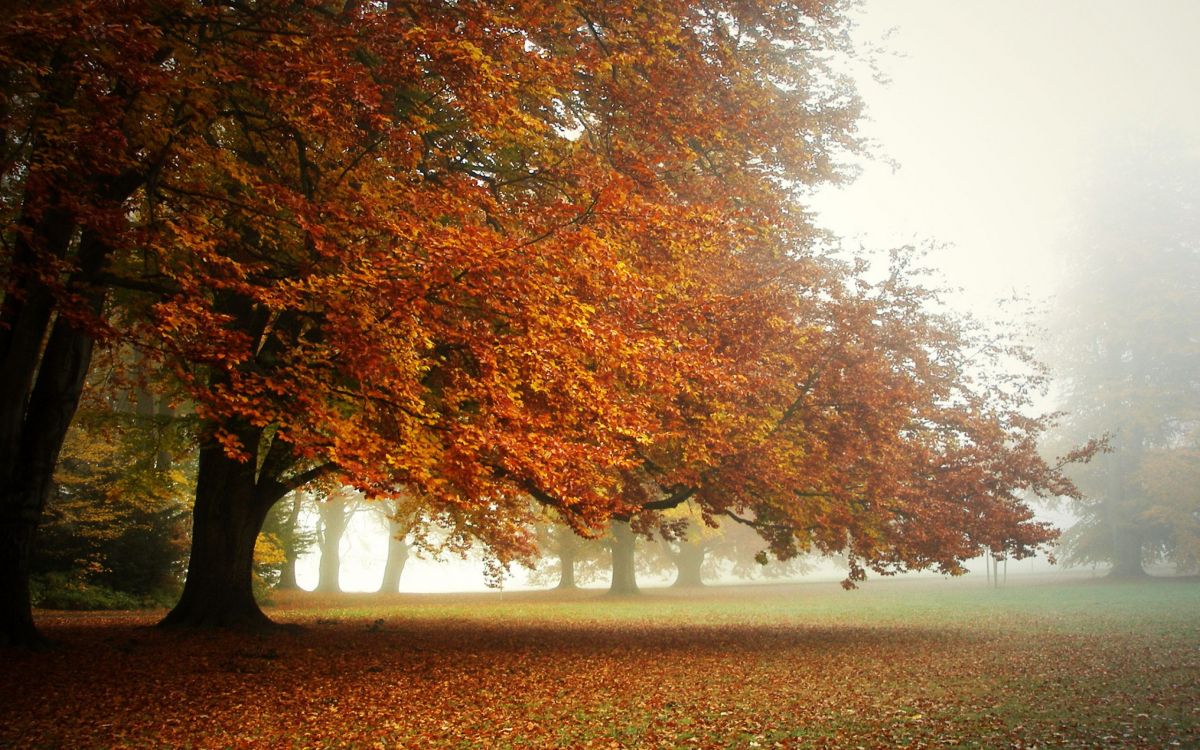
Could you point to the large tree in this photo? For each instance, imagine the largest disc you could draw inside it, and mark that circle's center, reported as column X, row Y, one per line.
column 486, row 251
column 89, row 114
column 1125, row 336
column 446, row 246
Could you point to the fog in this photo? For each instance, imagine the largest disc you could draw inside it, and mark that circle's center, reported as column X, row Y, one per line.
column 993, row 127
column 995, row 117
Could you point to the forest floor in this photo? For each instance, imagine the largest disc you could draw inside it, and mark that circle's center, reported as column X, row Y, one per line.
column 898, row 663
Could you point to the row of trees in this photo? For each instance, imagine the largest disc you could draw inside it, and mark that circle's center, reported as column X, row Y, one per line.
column 115, row 534
column 689, row 552
column 478, row 254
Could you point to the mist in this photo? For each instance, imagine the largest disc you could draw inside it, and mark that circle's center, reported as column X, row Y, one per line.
column 803, row 374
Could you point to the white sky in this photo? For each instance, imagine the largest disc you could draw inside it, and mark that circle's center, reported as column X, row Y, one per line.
column 994, row 115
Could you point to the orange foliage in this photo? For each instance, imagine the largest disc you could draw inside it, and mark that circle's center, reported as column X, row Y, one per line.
column 487, row 251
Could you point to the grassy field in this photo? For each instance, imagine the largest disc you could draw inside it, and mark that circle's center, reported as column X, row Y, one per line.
column 906, row 663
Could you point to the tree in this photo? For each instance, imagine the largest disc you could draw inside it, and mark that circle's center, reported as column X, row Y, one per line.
column 568, row 559
column 407, row 527
column 334, row 510
column 696, row 551
column 283, row 523
column 492, row 251
column 117, row 522
column 84, row 101
column 395, row 247
column 884, row 429
column 622, row 546
column 1125, row 339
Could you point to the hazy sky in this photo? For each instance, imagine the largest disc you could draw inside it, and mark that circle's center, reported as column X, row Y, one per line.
column 996, row 113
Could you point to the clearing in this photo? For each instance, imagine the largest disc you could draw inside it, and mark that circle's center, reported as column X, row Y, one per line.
column 899, row 663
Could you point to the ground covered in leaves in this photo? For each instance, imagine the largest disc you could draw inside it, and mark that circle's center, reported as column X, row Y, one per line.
column 897, row 664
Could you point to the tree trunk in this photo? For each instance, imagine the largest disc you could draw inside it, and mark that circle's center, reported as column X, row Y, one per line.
column 624, row 545
column 33, row 426
column 567, row 551
column 16, row 612
column 334, row 519
column 287, row 574
column 1127, row 553
column 688, row 563
column 396, row 558
column 41, row 377
column 227, row 519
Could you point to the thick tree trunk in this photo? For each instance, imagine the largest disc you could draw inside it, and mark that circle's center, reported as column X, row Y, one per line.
column 624, row 546
column 16, row 613
column 334, row 519
column 227, row 518
column 287, row 574
column 396, row 558
column 35, row 414
column 33, row 425
column 688, row 563
column 567, row 551
column 1127, row 553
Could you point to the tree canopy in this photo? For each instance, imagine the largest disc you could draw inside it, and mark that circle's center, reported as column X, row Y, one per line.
column 483, row 252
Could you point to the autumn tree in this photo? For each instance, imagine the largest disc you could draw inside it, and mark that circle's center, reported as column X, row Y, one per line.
column 117, row 521
column 89, row 112
column 397, row 554
column 430, row 258
column 689, row 552
column 284, row 524
column 334, row 511
column 622, row 546
column 567, row 559
column 1125, row 340
column 406, row 523
column 489, row 252
column 694, row 551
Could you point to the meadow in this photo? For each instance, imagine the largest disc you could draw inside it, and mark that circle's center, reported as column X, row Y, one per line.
column 899, row 663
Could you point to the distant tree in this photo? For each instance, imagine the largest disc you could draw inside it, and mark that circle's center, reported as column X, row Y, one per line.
column 689, row 546
column 293, row 538
column 403, row 516
column 397, row 556
column 697, row 551
column 118, row 520
column 568, row 560
column 622, row 544
column 334, row 511
column 566, row 549
column 1126, row 341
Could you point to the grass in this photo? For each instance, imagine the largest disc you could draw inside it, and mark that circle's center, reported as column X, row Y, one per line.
column 904, row 663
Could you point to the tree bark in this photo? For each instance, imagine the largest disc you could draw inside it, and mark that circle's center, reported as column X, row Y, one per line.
column 688, row 563
column 624, row 546
column 567, row 551
column 34, row 420
column 334, row 520
column 396, row 558
column 227, row 518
